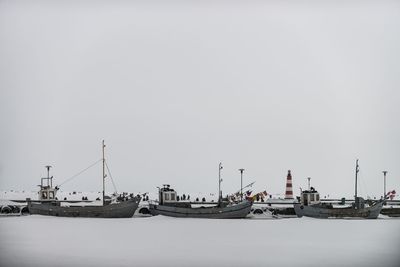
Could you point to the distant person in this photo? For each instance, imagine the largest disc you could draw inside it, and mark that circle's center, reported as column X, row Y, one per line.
column 188, row 198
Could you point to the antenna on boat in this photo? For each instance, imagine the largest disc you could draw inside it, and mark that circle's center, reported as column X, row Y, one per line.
column 357, row 170
column 219, row 182
column 48, row 175
column 309, row 178
column 104, row 171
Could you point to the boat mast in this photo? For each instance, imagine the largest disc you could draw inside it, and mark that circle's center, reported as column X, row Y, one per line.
column 355, row 195
column 241, row 184
column 384, row 184
column 48, row 176
column 104, row 173
column 219, row 183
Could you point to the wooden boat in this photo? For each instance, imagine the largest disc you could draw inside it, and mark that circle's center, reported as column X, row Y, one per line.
column 391, row 211
column 49, row 205
column 311, row 206
column 169, row 205
column 391, row 207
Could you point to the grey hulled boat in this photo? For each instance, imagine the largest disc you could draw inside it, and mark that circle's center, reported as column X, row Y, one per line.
column 391, row 207
column 391, row 211
column 49, row 205
column 124, row 209
column 168, row 205
column 311, row 206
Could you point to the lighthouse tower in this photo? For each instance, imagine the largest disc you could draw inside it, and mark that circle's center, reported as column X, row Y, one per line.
column 289, row 190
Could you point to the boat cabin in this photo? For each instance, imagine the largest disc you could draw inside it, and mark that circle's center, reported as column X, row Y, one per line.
column 167, row 195
column 309, row 197
column 47, row 192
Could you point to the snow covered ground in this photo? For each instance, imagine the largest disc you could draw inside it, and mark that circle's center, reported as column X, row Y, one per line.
column 162, row 241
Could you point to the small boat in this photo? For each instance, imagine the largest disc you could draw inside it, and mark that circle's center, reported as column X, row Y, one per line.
column 311, row 206
column 391, row 211
column 49, row 205
column 391, row 208
column 169, row 205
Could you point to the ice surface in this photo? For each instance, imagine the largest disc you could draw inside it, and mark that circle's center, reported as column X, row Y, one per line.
column 162, row 241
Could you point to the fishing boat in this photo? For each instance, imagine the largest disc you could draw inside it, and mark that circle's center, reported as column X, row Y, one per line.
column 169, row 205
column 49, row 205
column 391, row 211
column 311, row 206
column 391, row 207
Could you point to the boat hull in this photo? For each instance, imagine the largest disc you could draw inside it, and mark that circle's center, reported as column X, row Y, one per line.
column 237, row 211
column 318, row 211
column 124, row 209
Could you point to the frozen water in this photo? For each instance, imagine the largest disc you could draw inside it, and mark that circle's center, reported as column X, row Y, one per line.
column 162, row 241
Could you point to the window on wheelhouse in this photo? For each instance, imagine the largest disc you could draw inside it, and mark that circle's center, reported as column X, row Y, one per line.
column 173, row 197
column 166, row 196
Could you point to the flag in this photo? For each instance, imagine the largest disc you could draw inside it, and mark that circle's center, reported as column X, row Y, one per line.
column 391, row 194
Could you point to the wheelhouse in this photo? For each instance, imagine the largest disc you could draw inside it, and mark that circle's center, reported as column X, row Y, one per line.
column 167, row 194
column 47, row 191
column 310, row 197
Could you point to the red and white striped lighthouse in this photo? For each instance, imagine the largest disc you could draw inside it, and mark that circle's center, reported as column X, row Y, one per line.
column 289, row 190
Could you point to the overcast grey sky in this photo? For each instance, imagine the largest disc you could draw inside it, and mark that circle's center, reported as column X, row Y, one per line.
column 175, row 87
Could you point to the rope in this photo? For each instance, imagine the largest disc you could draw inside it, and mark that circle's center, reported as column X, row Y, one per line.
column 112, row 180
column 72, row 177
